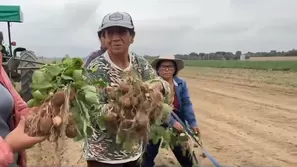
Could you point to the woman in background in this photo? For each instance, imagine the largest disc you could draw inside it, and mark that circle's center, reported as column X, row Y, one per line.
column 167, row 68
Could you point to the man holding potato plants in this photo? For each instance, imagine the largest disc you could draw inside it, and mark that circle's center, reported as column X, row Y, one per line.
column 124, row 99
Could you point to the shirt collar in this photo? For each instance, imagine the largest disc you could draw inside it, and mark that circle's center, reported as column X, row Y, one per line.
column 175, row 83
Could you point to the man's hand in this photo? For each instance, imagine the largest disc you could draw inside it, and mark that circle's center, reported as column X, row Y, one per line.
column 178, row 127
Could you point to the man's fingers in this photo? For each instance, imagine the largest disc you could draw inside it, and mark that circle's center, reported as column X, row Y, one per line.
column 180, row 128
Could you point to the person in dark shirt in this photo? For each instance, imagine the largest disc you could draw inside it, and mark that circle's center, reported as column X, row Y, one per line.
column 3, row 48
column 96, row 53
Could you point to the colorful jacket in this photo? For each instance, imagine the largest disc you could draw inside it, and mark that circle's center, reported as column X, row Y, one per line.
column 185, row 110
column 100, row 147
column 20, row 109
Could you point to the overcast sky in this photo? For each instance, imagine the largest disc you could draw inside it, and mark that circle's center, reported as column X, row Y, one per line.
column 56, row 27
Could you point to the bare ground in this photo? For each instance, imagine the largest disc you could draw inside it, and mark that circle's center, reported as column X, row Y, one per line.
column 247, row 117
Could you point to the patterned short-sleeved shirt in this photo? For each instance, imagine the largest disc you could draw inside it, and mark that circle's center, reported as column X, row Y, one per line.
column 100, row 147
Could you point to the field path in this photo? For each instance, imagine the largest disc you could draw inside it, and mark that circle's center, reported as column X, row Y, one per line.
column 242, row 123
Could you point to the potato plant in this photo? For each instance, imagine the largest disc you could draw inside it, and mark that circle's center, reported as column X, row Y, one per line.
column 63, row 94
column 61, row 91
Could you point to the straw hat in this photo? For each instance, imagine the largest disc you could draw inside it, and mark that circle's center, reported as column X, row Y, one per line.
column 179, row 63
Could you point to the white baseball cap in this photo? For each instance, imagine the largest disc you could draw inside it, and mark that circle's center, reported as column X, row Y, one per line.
column 120, row 19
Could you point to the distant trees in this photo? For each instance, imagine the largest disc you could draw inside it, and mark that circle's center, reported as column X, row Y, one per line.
column 222, row 55
column 66, row 56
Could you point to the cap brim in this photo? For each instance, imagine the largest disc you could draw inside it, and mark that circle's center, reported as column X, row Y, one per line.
column 116, row 25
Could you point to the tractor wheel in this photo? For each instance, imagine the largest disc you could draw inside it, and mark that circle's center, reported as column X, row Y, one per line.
column 26, row 75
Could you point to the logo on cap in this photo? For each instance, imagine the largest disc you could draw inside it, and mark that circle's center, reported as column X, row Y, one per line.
column 116, row 17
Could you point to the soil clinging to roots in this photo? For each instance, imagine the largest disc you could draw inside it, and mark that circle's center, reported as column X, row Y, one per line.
column 133, row 107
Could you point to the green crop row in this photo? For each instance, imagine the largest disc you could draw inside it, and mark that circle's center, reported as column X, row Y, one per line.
column 261, row 65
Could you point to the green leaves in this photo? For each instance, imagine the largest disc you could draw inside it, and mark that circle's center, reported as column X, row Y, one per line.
column 82, row 119
column 90, row 93
column 92, row 98
column 166, row 111
column 38, row 76
column 169, row 137
column 54, row 69
column 99, row 83
column 77, row 75
column 67, row 76
column 31, row 103
column 89, row 88
column 40, row 80
column 67, row 62
column 77, row 62
column 86, row 108
column 38, row 95
column 156, row 133
column 41, row 86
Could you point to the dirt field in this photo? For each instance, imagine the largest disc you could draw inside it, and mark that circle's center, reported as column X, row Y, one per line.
column 247, row 117
column 280, row 58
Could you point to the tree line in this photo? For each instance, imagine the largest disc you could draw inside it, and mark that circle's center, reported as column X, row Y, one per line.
column 221, row 55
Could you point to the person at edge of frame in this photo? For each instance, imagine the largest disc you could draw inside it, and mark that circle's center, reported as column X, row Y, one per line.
column 3, row 48
column 13, row 110
column 96, row 53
